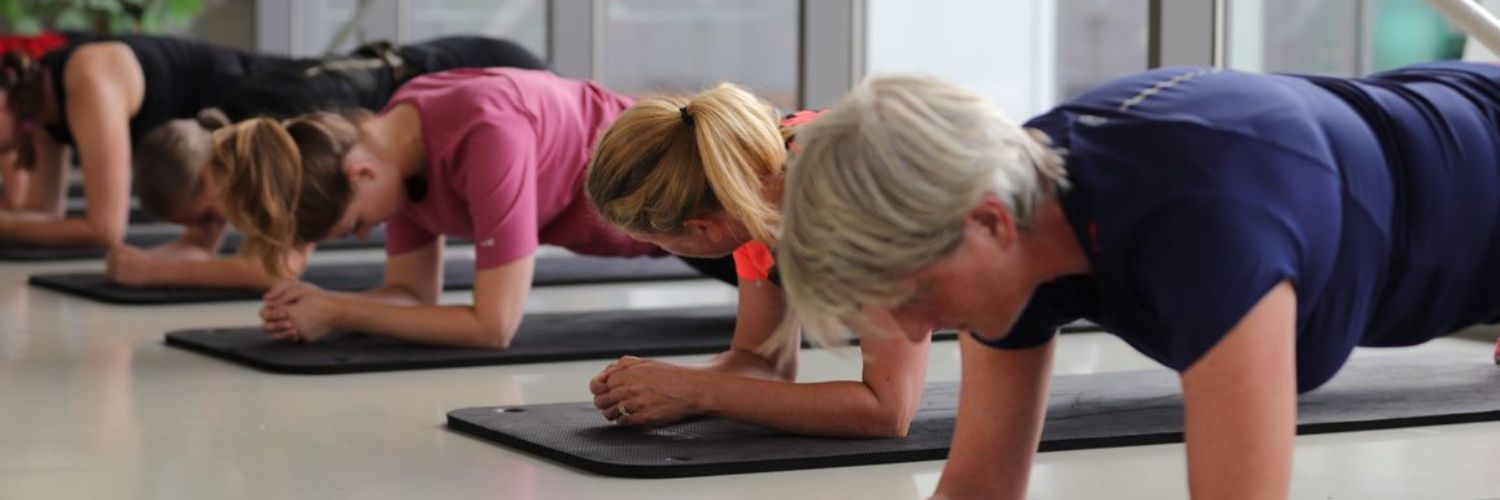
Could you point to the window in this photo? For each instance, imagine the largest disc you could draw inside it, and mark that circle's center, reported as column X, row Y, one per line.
column 520, row 21
column 682, row 46
column 1025, row 55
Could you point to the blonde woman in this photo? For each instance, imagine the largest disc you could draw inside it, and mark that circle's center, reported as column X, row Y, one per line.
column 1247, row 231
column 702, row 177
column 493, row 155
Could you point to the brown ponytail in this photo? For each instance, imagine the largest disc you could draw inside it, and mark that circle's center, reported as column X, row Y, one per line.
column 168, row 162
column 282, row 183
column 24, row 85
column 668, row 159
column 22, row 81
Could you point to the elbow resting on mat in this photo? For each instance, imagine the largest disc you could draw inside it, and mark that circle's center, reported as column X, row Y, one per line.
column 498, row 332
column 883, row 420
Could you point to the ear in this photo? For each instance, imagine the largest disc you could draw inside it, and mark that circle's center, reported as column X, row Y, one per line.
column 993, row 219
column 704, row 226
column 358, row 168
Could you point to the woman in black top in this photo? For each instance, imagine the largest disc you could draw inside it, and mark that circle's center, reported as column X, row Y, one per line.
column 101, row 96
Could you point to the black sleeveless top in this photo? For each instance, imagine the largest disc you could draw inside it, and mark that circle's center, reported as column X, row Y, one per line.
column 367, row 77
column 182, row 77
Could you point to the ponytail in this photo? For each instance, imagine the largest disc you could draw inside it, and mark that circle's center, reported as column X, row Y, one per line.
column 282, row 183
column 668, row 159
column 22, row 81
column 24, row 85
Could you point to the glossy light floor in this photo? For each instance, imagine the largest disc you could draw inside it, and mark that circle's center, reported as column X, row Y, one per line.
column 92, row 405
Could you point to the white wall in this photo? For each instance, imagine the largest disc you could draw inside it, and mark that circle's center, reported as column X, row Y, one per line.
column 1003, row 49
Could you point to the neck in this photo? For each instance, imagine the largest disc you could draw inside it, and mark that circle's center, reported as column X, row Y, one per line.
column 1052, row 246
column 773, row 188
column 396, row 138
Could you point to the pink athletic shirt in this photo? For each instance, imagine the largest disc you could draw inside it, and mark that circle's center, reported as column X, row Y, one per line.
column 506, row 152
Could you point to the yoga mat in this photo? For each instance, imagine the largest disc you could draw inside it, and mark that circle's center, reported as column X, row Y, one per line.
column 1085, row 411
column 458, row 274
column 153, row 237
column 543, row 338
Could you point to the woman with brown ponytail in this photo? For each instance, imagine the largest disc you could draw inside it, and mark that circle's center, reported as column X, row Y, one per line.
column 493, row 155
column 702, row 177
column 167, row 145
column 174, row 156
column 97, row 97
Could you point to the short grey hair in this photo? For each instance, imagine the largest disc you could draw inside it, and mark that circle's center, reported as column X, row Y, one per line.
column 881, row 186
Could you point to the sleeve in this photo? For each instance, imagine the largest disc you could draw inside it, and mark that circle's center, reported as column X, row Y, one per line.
column 497, row 168
column 402, row 234
column 1201, row 268
column 1052, row 306
column 753, row 262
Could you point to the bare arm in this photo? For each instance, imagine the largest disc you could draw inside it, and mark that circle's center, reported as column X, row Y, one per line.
column 406, row 306
column 762, row 305
column 1002, row 403
column 881, row 404
column 1241, row 405
column 745, row 386
column 191, row 260
column 104, row 87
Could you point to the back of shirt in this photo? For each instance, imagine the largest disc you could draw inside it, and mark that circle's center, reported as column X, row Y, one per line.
column 506, row 152
column 1197, row 190
column 182, row 77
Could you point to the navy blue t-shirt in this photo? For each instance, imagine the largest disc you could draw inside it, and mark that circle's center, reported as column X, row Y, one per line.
column 1195, row 191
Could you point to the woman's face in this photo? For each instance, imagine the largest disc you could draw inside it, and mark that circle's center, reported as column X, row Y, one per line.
column 977, row 288
column 203, row 209
column 378, row 193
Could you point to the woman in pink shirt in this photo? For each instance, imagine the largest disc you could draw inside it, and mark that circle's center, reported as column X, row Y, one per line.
column 492, row 155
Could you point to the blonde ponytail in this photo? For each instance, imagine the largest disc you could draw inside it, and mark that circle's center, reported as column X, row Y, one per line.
column 668, row 159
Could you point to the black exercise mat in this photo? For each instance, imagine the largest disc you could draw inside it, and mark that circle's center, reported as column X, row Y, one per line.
column 1086, row 411
column 458, row 274
column 543, row 337
column 151, row 238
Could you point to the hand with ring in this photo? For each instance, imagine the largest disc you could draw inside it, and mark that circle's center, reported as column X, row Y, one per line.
column 639, row 392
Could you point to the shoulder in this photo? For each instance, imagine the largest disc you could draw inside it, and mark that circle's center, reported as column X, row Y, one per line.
column 101, row 61
column 754, row 261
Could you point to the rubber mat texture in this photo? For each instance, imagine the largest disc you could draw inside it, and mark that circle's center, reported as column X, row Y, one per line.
column 151, row 238
column 1085, row 411
column 542, row 338
column 458, row 274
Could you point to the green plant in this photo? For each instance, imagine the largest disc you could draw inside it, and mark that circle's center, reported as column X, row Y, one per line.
column 100, row 16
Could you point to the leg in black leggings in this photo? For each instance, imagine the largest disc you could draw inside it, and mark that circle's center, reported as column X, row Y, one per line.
column 441, row 54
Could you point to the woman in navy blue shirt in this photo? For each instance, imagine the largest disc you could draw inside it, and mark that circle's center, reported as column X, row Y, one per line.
column 1245, row 230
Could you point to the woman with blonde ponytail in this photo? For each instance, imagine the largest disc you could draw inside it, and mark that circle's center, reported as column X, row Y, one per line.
column 702, row 177
column 493, row 155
